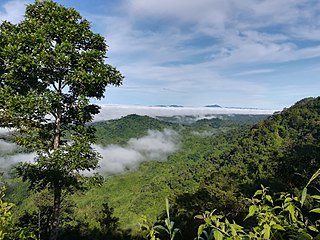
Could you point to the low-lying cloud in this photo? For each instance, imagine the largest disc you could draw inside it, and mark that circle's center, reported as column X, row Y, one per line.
column 8, row 161
column 9, row 158
column 6, row 147
column 156, row 146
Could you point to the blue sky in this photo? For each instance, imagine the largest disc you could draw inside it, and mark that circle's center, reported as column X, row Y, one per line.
column 241, row 53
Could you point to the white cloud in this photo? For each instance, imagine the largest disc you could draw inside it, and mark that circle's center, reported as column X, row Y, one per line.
column 184, row 81
column 13, row 11
column 254, row 71
column 182, row 51
column 227, row 13
column 117, row 111
column 8, row 158
column 159, row 47
column 8, row 161
column 6, row 131
column 200, row 11
column 155, row 146
column 6, row 147
column 235, row 25
column 311, row 32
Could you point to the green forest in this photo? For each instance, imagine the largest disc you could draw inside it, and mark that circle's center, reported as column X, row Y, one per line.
column 220, row 164
column 65, row 176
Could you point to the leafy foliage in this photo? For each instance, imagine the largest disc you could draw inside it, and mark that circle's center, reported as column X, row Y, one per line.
column 51, row 64
column 8, row 229
column 274, row 219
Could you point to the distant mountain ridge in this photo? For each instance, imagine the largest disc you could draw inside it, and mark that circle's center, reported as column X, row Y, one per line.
column 171, row 105
column 214, row 106
column 109, row 112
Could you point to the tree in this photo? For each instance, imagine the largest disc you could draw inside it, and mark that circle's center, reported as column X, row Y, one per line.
column 51, row 65
column 108, row 223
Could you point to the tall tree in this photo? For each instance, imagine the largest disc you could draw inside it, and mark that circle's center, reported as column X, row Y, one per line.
column 51, row 65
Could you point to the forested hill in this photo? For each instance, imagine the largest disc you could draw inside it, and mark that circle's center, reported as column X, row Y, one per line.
column 219, row 165
column 119, row 131
column 282, row 151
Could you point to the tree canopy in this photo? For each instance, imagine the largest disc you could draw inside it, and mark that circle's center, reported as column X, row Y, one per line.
column 51, row 65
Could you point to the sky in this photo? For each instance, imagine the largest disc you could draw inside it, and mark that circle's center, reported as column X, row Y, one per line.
column 234, row 53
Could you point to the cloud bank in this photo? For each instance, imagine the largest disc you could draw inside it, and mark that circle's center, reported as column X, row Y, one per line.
column 117, row 111
column 8, row 158
column 156, row 146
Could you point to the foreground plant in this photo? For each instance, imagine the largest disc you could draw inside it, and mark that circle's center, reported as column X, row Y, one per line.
column 8, row 229
column 279, row 218
column 153, row 232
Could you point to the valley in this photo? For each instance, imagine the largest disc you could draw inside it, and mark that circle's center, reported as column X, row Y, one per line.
column 212, row 164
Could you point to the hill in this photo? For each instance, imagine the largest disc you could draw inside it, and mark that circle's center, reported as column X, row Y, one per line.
column 219, row 164
column 132, row 126
column 284, row 147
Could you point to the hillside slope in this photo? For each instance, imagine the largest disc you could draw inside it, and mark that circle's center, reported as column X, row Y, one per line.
column 281, row 152
column 132, row 126
column 283, row 148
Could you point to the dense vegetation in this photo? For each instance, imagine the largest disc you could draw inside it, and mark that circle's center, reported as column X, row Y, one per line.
column 219, row 165
column 258, row 179
column 121, row 130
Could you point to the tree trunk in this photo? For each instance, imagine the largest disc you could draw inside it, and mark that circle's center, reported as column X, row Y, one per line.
column 39, row 224
column 56, row 213
column 57, row 188
column 57, row 134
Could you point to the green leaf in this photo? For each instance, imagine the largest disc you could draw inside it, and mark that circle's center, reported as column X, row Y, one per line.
column 167, row 208
column 218, row 235
column 199, row 217
column 233, row 230
column 252, row 211
column 317, row 197
column 269, row 199
column 314, row 176
column 258, row 192
column 315, row 210
column 291, row 210
column 278, row 227
column 312, row 228
column 303, row 196
column 266, row 231
column 200, row 229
